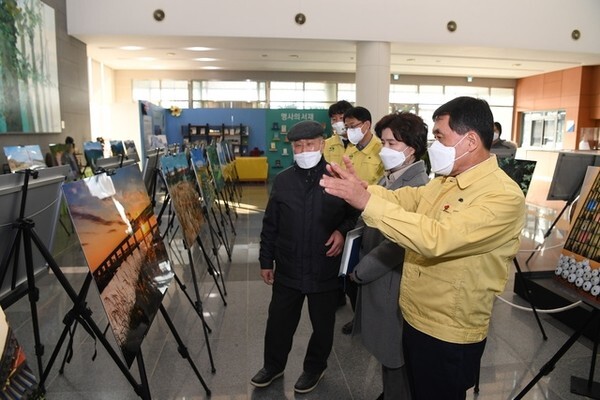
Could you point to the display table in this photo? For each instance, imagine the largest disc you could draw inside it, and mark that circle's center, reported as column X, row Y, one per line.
column 252, row 169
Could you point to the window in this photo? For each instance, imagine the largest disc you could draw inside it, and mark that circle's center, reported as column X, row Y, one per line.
column 165, row 93
column 425, row 99
column 302, row 95
column 543, row 129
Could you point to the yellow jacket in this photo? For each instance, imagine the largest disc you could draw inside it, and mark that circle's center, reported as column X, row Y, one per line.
column 367, row 163
column 461, row 234
column 334, row 149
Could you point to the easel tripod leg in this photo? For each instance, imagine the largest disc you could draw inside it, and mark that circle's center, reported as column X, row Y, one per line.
column 528, row 297
column 199, row 310
column 182, row 349
column 549, row 366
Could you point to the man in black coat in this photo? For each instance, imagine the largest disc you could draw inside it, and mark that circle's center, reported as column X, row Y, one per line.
column 300, row 248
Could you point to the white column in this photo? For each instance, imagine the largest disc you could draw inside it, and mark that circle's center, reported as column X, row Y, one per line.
column 373, row 78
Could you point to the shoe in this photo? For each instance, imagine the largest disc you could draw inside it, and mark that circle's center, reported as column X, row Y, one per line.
column 264, row 378
column 307, row 382
column 347, row 328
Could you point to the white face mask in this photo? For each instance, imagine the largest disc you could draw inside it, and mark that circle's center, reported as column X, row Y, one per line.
column 496, row 136
column 339, row 128
column 392, row 158
column 442, row 157
column 355, row 135
column 308, row 159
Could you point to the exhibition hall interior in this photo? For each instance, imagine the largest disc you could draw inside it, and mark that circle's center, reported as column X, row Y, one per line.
column 140, row 143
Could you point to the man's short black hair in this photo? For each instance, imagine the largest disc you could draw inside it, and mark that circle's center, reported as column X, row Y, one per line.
column 339, row 108
column 359, row 113
column 69, row 140
column 469, row 114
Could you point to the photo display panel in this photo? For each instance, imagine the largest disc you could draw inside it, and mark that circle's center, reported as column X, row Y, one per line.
column 207, row 190
column 24, row 157
column 579, row 262
column 121, row 241
column 182, row 186
column 215, row 167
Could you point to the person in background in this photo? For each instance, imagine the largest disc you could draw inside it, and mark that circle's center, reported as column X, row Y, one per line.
column 377, row 319
column 500, row 143
column 333, row 151
column 364, row 155
column 365, row 152
column 301, row 242
column 460, row 232
column 68, row 158
column 336, row 144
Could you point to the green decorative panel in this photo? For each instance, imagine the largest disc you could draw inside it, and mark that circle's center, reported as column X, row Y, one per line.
column 279, row 151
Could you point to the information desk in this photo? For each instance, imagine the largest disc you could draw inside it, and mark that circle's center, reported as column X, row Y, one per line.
column 252, row 169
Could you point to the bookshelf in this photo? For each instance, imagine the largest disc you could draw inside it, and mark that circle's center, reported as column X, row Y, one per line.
column 236, row 135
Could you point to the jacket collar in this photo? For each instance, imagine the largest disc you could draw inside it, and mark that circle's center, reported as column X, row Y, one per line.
column 475, row 173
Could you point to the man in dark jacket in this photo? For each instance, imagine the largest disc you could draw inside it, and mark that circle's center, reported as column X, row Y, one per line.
column 301, row 243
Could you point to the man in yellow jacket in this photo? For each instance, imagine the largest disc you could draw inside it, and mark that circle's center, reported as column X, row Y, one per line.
column 461, row 232
column 365, row 146
column 336, row 144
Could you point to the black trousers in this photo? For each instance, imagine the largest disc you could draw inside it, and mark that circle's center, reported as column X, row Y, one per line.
column 285, row 311
column 438, row 369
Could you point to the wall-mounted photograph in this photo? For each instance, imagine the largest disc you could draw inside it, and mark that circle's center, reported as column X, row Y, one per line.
column 29, row 100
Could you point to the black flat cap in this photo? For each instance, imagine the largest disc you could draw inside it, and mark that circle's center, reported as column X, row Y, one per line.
column 305, row 130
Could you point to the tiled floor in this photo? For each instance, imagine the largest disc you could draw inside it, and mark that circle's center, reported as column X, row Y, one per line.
column 514, row 354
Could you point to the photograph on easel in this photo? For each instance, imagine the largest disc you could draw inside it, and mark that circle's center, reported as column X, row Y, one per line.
column 181, row 183
column 579, row 262
column 207, row 190
column 215, row 167
column 117, row 148
column 131, row 150
column 24, row 157
column 121, row 242
column 92, row 152
column 18, row 380
column 226, row 166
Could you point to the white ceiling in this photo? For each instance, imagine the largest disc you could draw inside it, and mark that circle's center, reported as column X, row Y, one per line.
column 287, row 55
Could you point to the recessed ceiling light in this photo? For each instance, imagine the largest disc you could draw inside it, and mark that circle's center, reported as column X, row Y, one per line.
column 131, row 48
column 410, row 59
column 294, row 56
column 211, row 67
column 516, row 65
column 171, row 54
column 206, row 59
column 197, row 48
column 264, row 55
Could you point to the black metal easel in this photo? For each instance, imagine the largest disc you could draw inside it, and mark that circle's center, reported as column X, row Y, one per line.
column 25, row 234
column 197, row 304
column 578, row 385
column 569, row 202
column 214, row 273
